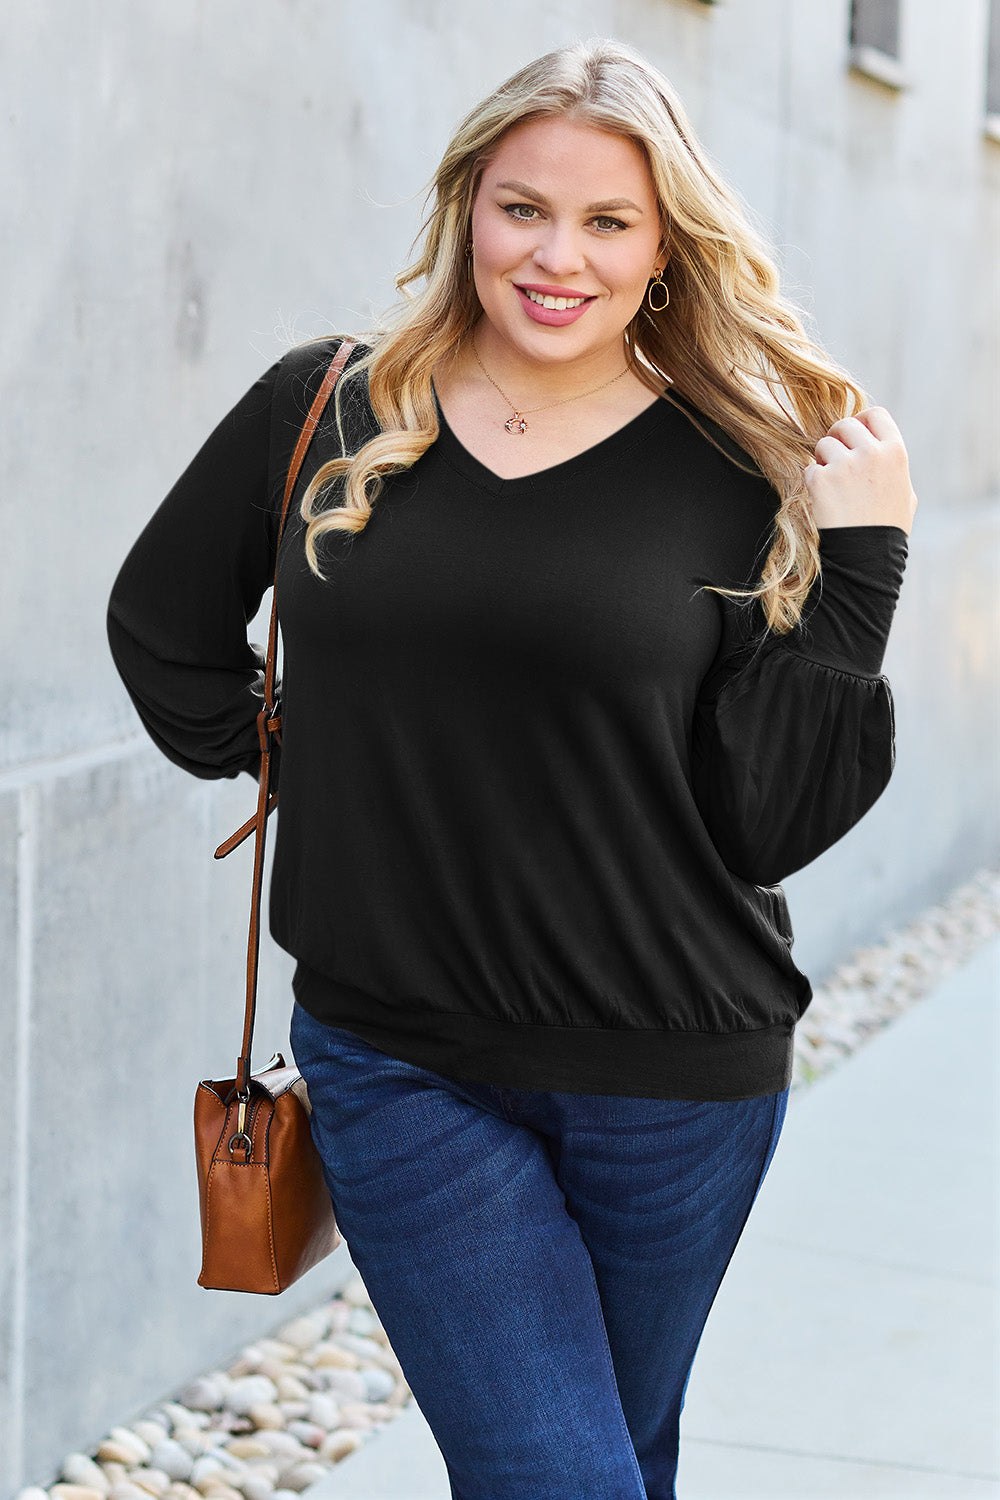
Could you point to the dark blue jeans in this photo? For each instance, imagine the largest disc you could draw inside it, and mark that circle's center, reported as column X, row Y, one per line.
column 542, row 1263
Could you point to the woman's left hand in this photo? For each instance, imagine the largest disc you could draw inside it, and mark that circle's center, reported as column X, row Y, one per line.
column 861, row 476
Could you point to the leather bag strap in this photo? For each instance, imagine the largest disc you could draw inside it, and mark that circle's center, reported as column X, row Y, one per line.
column 269, row 724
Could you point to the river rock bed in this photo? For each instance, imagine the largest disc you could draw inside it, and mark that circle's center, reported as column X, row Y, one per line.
column 264, row 1428
column 877, row 984
column 292, row 1405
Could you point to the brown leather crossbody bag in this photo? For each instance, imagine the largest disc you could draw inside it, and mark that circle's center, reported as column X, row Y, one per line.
column 266, row 1213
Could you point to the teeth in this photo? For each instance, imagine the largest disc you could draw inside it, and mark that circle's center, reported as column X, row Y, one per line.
column 556, row 304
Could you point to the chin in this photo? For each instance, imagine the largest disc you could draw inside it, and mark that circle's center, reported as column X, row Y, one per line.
column 539, row 341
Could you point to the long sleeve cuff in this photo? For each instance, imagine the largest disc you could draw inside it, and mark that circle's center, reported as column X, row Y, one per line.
column 845, row 624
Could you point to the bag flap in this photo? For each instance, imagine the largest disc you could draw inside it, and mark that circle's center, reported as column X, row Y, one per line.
column 272, row 1082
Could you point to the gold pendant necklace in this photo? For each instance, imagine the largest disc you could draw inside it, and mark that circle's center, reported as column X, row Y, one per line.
column 516, row 423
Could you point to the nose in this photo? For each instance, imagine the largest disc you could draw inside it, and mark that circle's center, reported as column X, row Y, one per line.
column 559, row 251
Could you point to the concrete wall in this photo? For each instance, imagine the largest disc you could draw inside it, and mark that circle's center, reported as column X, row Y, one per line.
column 185, row 185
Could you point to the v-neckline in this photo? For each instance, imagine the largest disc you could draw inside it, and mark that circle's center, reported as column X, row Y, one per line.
column 604, row 451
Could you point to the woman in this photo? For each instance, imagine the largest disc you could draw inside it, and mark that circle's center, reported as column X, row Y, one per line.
column 584, row 599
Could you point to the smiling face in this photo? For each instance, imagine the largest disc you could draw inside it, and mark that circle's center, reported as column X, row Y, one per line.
column 566, row 228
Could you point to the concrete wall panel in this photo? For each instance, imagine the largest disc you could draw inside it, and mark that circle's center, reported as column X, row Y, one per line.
column 12, row 1123
column 124, row 1024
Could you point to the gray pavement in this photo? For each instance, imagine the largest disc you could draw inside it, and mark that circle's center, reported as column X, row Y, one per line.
column 853, row 1349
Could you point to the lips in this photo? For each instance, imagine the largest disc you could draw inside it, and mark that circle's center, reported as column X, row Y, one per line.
column 552, row 305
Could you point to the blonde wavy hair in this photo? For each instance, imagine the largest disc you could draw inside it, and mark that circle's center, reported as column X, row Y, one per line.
column 728, row 341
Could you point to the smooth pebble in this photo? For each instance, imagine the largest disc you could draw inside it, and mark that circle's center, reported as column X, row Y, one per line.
column 333, row 1355
column 378, row 1384
column 153, row 1481
column 202, row 1467
column 136, row 1447
column 194, row 1441
column 355, row 1414
column 252, row 1390
column 248, row 1363
column 203, row 1440
column 75, row 1492
column 268, row 1469
column 347, row 1385
column 362, row 1321
column 31, row 1492
column 361, row 1345
column 340, row 1314
column 208, row 1393
column 257, row 1487
column 79, row 1469
column 304, row 1332
column 323, row 1410
column 355, row 1293
column 150, row 1430
column 283, row 1446
column 309, row 1434
column 293, row 1411
column 291, row 1388
column 302, row 1476
column 227, row 1459
column 337, row 1445
column 247, row 1447
column 173, row 1458
column 267, row 1415
column 277, row 1349
column 184, row 1416
column 374, row 1354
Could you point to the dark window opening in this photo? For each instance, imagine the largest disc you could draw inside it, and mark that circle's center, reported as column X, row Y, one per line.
column 875, row 23
column 993, row 61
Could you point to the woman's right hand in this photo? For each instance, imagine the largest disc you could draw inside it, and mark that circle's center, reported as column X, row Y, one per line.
column 861, row 476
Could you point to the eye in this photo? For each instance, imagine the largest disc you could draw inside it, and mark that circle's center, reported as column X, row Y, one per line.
column 608, row 225
column 524, row 211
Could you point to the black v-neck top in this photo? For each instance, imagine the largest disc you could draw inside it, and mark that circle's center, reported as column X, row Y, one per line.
column 537, row 785
column 579, row 468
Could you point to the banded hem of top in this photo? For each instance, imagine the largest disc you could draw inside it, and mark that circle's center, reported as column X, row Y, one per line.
column 641, row 1064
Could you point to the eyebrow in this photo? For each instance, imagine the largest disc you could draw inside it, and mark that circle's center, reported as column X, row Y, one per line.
column 592, row 208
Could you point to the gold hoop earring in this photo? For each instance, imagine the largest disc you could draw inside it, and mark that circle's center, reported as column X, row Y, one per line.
column 468, row 260
column 657, row 283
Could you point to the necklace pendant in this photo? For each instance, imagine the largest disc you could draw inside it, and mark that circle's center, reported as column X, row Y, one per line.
column 516, row 423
